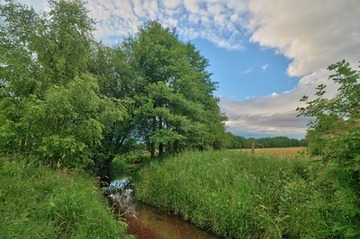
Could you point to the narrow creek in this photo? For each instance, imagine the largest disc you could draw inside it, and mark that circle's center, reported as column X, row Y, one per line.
column 147, row 222
column 151, row 223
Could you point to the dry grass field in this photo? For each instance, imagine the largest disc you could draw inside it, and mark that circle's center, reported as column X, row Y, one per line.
column 276, row 152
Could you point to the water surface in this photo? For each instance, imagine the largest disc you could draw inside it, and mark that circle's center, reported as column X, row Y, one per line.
column 150, row 223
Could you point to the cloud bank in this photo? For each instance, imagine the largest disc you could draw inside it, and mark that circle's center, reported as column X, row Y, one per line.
column 312, row 34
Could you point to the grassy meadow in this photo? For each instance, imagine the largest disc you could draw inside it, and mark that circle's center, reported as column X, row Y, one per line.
column 240, row 195
column 36, row 202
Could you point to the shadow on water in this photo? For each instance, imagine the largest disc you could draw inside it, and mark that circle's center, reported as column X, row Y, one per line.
column 147, row 222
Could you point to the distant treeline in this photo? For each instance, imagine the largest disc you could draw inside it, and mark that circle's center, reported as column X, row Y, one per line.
column 240, row 142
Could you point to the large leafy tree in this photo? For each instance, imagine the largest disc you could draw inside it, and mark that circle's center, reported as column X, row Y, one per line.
column 175, row 106
column 334, row 132
column 51, row 106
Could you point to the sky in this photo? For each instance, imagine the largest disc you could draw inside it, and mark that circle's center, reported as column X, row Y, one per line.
column 265, row 55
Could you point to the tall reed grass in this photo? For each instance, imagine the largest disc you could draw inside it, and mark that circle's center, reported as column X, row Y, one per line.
column 36, row 202
column 239, row 195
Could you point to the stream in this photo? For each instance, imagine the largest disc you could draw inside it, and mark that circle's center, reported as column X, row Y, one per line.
column 151, row 223
column 147, row 222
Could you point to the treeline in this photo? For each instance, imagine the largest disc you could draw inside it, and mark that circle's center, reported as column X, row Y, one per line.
column 70, row 101
column 239, row 142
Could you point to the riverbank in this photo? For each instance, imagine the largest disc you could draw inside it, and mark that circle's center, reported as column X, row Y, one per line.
column 36, row 202
column 239, row 195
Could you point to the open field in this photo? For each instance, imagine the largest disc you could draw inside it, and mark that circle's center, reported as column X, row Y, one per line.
column 276, row 152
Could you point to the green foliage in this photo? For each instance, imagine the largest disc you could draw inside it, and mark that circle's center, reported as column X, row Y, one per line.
column 334, row 132
column 241, row 196
column 70, row 101
column 175, row 106
column 37, row 202
column 51, row 105
column 126, row 165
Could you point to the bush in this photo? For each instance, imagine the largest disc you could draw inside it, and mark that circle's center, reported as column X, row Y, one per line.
column 37, row 202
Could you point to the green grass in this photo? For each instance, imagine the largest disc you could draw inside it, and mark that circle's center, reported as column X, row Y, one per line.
column 238, row 195
column 36, row 202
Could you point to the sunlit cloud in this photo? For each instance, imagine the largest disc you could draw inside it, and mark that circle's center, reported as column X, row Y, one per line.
column 313, row 34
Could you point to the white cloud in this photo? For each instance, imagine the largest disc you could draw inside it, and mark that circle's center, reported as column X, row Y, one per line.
column 215, row 9
column 214, row 20
column 238, row 6
column 265, row 115
column 138, row 8
column 274, row 114
column 248, row 70
column 313, row 34
column 220, row 22
column 172, row 4
column 264, row 67
column 153, row 9
column 192, row 6
column 37, row 5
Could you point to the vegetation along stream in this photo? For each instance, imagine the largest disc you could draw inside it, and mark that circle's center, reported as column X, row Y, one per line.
column 147, row 222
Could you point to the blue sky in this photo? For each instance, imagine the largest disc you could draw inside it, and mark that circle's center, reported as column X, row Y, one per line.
column 265, row 55
column 246, row 73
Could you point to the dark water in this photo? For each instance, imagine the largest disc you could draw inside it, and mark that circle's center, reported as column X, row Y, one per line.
column 146, row 222
column 150, row 223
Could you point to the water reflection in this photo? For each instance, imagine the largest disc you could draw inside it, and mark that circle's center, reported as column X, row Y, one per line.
column 146, row 222
column 150, row 223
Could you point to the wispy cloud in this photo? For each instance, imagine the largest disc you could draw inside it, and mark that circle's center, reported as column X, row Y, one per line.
column 248, row 70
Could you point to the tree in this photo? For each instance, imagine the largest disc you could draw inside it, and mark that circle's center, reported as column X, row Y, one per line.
column 175, row 106
column 334, row 132
column 51, row 106
column 116, row 80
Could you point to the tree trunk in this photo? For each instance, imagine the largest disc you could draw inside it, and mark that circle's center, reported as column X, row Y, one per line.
column 152, row 149
column 161, row 149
